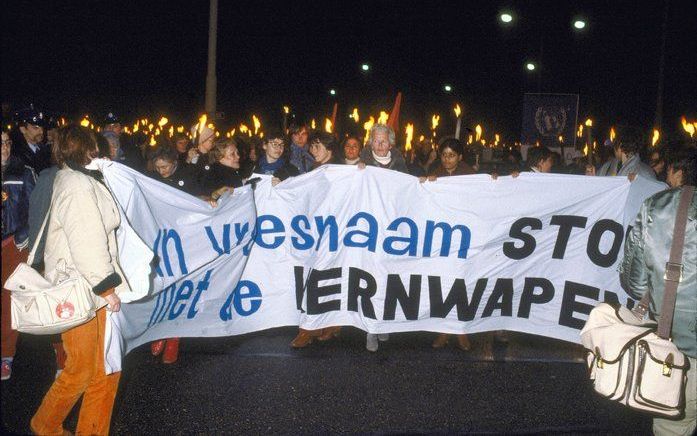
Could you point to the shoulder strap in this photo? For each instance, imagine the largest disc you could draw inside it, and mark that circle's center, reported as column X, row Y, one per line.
column 674, row 264
column 40, row 238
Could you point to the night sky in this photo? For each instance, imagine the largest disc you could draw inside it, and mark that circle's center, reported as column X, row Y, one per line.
column 149, row 57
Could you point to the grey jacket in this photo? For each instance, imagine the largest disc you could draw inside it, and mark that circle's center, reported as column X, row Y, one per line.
column 646, row 252
column 636, row 166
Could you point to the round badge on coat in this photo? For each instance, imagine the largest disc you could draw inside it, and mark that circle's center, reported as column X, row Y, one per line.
column 65, row 310
column 181, row 183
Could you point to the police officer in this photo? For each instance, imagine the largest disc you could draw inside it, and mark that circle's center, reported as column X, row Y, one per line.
column 112, row 123
column 28, row 143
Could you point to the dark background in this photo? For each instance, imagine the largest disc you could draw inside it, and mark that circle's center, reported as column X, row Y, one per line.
column 149, row 57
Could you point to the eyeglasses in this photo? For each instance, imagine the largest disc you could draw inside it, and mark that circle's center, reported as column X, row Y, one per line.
column 276, row 143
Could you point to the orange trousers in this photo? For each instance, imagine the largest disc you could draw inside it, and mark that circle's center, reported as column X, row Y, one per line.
column 11, row 257
column 83, row 374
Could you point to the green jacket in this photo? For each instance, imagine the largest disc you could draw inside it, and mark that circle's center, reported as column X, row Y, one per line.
column 646, row 252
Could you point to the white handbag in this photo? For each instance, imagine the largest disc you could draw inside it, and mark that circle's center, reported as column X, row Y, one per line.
column 44, row 307
column 633, row 361
column 629, row 363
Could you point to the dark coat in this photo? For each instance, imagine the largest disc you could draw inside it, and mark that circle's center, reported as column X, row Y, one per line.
column 462, row 169
column 18, row 182
column 201, row 167
column 38, row 161
column 219, row 176
column 396, row 164
column 184, row 179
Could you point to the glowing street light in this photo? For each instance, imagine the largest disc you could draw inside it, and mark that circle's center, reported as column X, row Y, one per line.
column 530, row 66
column 447, row 88
column 365, row 67
column 579, row 24
column 506, row 17
column 332, row 92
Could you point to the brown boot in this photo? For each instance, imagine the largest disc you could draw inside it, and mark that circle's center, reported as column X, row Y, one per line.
column 441, row 341
column 463, row 342
column 304, row 338
column 329, row 333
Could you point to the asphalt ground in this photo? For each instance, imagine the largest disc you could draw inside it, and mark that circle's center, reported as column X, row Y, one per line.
column 257, row 384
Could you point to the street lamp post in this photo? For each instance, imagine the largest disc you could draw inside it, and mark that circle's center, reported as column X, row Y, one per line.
column 211, row 80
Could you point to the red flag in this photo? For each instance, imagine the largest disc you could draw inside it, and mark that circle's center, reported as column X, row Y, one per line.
column 393, row 120
column 336, row 106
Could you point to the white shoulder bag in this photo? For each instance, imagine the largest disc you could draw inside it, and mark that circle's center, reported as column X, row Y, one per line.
column 42, row 307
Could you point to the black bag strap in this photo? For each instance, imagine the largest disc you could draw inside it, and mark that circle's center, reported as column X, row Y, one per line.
column 40, row 240
column 674, row 264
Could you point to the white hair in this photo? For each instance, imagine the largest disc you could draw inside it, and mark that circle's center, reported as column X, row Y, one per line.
column 385, row 129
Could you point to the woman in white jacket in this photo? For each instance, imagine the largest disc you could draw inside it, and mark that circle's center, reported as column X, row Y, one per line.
column 81, row 235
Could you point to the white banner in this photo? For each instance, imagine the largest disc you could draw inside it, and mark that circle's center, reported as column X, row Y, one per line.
column 378, row 250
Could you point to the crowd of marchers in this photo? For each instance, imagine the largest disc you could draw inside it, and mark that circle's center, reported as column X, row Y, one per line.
column 46, row 179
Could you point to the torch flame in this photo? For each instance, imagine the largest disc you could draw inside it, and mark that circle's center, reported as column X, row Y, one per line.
column 257, row 124
column 561, row 139
column 478, row 131
column 585, row 150
column 171, row 131
column 688, row 127
column 136, row 126
column 354, row 114
column 313, row 124
column 244, row 128
column 656, row 136
column 470, row 139
column 367, row 126
column 201, row 123
column 152, row 141
column 589, row 122
column 328, row 125
column 410, row 134
column 150, row 126
column 457, row 110
column 496, row 139
column 85, row 122
column 435, row 120
column 180, row 129
column 580, row 130
column 384, row 116
column 163, row 121
column 286, row 110
column 157, row 131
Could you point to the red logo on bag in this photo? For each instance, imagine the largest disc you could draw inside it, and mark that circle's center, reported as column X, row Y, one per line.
column 65, row 310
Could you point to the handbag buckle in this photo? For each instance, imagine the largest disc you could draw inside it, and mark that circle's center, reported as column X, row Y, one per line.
column 673, row 272
column 668, row 365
